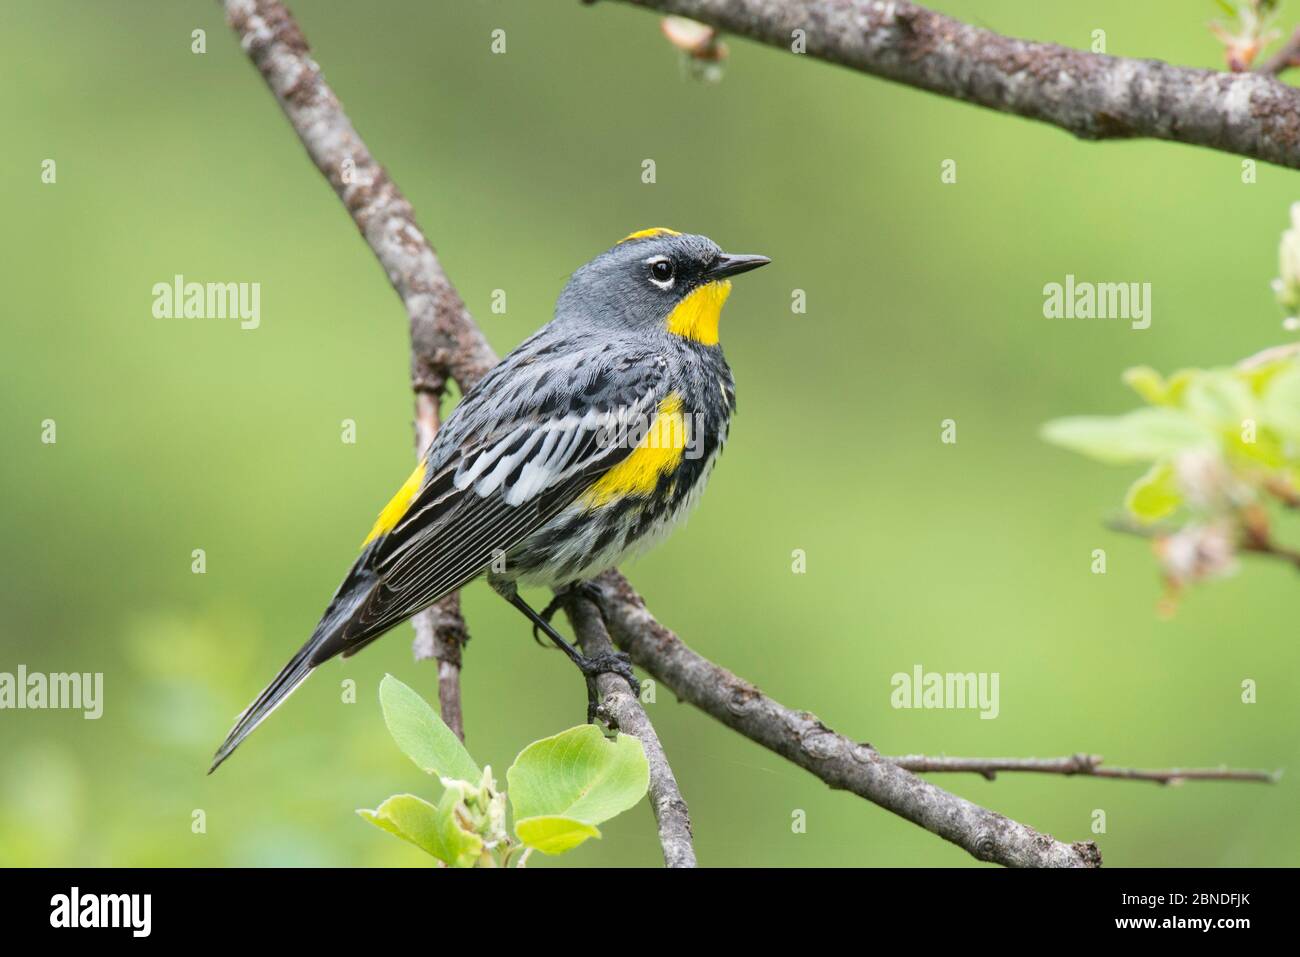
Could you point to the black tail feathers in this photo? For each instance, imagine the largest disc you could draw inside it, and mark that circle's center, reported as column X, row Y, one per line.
column 330, row 638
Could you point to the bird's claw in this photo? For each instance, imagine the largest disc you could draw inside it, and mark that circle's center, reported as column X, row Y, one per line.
column 610, row 663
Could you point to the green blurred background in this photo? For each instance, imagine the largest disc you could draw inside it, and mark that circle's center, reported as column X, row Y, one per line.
column 924, row 303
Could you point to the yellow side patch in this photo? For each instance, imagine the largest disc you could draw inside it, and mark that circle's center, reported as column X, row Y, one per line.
column 696, row 317
column 656, row 454
column 397, row 506
column 647, row 233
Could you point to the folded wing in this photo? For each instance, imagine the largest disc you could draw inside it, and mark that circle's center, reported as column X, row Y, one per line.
column 502, row 466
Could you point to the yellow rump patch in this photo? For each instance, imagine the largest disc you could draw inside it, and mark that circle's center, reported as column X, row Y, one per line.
column 647, row 233
column 696, row 317
column 658, row 453
column 397, row 506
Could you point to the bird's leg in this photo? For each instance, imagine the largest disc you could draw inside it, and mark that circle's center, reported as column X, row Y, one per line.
column 588, row 590
column 547, row 614
column 616, row 663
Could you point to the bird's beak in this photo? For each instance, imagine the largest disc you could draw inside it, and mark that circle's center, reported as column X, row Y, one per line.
column 729, row 265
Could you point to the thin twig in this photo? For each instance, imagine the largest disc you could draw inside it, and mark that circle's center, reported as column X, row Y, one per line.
column 803, row 739
column 440, row 630
column 1287, row 56
column 1270, row 355
column 1092, row 95
column 1283, row 491
column 1268, row 548
column 1086, row 765
column 440, row 635
column 671, row 815
column 1254, row 541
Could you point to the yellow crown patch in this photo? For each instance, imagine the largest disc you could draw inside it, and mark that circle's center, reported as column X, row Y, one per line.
column 647, row 233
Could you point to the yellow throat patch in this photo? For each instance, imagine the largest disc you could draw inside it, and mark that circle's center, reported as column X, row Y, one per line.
column 658, row 453
column 397, row 505
column 696, row 317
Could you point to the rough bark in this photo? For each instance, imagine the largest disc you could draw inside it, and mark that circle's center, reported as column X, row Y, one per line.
column 625, row 712
column 1093, row 96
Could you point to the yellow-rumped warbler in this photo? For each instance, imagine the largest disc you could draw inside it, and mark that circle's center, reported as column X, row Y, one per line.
column 585, row 444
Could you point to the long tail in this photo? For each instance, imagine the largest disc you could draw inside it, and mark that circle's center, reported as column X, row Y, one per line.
column 293, row 674
column 330, row 638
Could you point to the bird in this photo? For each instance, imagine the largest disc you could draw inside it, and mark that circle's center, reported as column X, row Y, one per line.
column 584, row 446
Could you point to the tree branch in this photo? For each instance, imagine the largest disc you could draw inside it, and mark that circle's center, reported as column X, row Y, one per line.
column 626, row 714
column 445, row 343
column 440, row 631
column 440, row 635
column 1287, row 56
column 1093, row 96
column 803, row 739
column 1086, row 765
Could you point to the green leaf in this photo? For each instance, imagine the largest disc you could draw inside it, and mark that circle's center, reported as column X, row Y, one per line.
column 1155, row 494
column 1260, row 375
column 554, row 834
column 433, row 830
column 1145, row 435
column 1148, row 383
column 422, row 735
column 1281, row 404
column 578, row 775
column 1221, row 400
column 1265, row 448
column 1155, row 388
column 407, row 816
column 457, row 846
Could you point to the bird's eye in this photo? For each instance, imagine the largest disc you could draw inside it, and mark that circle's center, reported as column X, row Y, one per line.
column 661, row 270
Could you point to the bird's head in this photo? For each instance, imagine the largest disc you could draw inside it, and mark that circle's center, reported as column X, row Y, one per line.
column 656, row 280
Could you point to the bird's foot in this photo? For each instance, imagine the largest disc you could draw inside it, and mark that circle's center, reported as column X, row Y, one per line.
column 611, row 663
column 591, row 666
